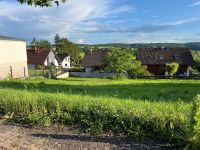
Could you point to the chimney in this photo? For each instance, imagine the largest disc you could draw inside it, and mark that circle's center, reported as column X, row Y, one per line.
column 90, row 51
column 163, row 48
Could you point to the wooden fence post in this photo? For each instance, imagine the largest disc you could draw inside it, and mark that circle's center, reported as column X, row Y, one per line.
column 24, row 72
column 11, row 72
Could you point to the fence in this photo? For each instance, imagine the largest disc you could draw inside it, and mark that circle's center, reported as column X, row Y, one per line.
column 46, row 73
column 13, row 72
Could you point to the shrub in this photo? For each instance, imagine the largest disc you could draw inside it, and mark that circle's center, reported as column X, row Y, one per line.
column 190, row 136
column 138, row 70
column 39, row 67
column 172, row 68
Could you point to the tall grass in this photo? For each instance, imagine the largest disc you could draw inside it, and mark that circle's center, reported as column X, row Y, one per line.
column 137, row 118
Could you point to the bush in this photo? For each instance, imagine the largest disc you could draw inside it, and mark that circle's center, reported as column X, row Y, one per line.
column 172, row 68
column 39, row 67
column 138, row 70
column 190, row 136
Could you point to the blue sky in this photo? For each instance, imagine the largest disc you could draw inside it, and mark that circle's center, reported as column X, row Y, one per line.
column 105, row 21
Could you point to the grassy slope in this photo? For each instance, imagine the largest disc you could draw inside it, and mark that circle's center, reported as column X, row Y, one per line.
column 151, row 106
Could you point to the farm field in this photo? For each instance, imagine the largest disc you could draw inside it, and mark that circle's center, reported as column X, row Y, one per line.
column 139, row 108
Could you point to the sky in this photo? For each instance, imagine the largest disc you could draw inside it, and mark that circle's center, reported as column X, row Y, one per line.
column 104, row 21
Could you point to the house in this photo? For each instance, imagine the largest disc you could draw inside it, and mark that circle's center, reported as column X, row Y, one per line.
column 93, row 60
column 156, row 59
column 63, row 60
column 44, row 57
column 13, row 58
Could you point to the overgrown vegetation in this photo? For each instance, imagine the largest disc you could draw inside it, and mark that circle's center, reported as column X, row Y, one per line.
column 156, row 109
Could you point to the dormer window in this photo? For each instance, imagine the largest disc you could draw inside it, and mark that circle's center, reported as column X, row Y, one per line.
column 177, row 57
column 161, row 57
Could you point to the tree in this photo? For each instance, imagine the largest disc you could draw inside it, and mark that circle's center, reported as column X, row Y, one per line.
column 42, row 3
column 41, row 44
column 118, row 61
column 172, row 68
column 63, row 45
column 196, row 57
column 33, row 43
column 138, row 70
column 57, row 40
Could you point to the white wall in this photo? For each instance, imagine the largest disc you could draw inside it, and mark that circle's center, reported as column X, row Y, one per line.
column 66, row 62
column 12, row 51
column 51, row 59
column 13, row 57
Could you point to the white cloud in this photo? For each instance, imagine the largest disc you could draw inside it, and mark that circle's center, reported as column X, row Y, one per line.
column 184, row 21
column 32, row 22
column 195, row 4
column 80, row 41
column 154, row 16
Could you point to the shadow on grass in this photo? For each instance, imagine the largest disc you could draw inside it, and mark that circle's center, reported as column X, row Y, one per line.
column 144, row 91
column 118, row 142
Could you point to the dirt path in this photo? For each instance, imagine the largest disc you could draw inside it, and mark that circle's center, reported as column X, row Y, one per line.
column 62, row 138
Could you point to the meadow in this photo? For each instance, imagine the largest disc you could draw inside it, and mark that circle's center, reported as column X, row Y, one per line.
column 142, row 109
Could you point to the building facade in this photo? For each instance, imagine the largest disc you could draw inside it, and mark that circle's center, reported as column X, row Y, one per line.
column 156, row 59
column 43, row 57
column 63, row 60
column 13, row 58
column 94, row 60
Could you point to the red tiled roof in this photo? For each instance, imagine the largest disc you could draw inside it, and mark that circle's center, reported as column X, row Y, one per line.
column 94, row 58
column 149, row 56
column 37, row 57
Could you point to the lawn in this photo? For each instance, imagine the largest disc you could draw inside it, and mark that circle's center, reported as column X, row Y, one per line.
column 140, row 108
column 151, row 90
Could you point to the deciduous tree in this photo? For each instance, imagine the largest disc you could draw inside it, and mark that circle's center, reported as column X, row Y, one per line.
column 63, row 45
column 41, row 44
column 118, row 61
column 138, row 70
column 42, row 3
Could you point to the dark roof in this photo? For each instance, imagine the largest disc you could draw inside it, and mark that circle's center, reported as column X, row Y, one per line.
column 37, row 57
column 61, row 57
column 9, row 38
column 149, row 56
column 94, row 58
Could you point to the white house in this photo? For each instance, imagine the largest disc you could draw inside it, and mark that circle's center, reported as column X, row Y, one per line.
column 13, row 58
column 63, row 60
column 44, row 57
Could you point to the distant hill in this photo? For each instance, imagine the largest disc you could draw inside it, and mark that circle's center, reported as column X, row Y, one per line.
column 191, row 45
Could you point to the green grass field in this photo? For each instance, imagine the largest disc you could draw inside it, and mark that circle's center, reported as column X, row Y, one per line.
column 151, row 90
column 140, row 108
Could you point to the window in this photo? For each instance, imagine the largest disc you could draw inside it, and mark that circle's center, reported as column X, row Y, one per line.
column 161, row 57
column 177, row 57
